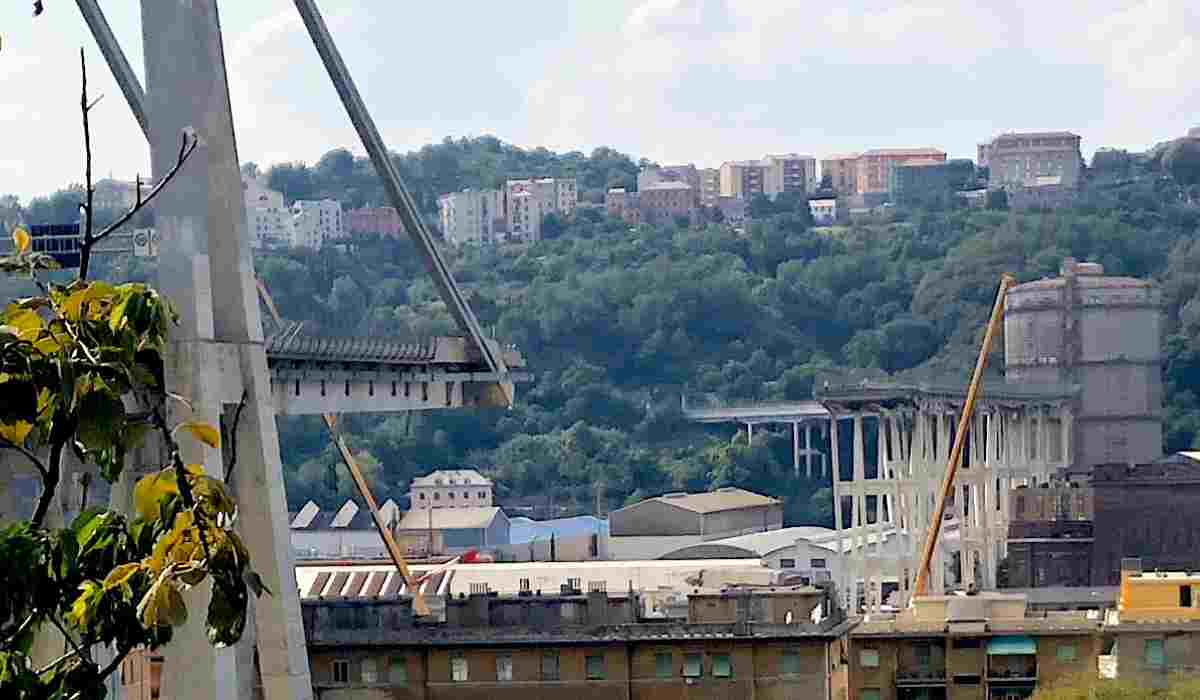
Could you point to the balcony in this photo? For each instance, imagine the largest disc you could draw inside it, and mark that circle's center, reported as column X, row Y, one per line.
column 920, row 677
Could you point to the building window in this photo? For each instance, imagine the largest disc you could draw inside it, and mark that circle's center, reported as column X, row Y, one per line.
column 1185, row 596
column 398, row 671
column 504, row 668
column 466, row 495
column 721, row 668
column 550, row 666
column 924, row 652
column 662, row 665
column 421, row 496
column 341, row 671
column 817, row 564
column 370, row 671
column 1067, row 653
column 869, row 658
column 458, row 668
column 869, row 694
column 483, row 494
column 693, row 665
column 787, row 563
column 437, row 496
column 1154, row 652
column 594, row 665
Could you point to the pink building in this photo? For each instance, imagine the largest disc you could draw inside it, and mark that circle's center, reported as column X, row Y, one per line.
column 383, row 221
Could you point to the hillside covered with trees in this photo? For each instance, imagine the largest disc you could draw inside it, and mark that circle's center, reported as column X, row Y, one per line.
column 617, row 322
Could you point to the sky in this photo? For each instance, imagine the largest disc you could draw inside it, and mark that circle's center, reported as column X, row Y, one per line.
column 699, row 81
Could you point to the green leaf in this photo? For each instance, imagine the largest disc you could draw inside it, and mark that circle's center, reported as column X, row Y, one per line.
column 226, row 612
column 101, row 418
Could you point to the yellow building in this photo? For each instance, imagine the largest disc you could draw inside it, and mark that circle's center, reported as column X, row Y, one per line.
column 1156, row 628
column 1156, row 596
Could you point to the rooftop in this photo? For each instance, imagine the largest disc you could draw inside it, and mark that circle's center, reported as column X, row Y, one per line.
column 452, row 477
column 728, row 498
column 904, row 152
column 469, row 518
column 667, row 185
column 1037, row 134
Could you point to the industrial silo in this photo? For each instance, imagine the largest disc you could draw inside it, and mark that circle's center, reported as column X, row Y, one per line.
column 1102, row 334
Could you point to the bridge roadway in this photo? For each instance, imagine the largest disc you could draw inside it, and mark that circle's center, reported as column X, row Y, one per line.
column 312, row 375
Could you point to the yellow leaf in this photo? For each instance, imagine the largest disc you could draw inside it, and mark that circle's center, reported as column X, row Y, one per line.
column 17, row 432
column 25, row 323
column 203, row 432
column 21, row 239
column 152, row 488
column 121, row 575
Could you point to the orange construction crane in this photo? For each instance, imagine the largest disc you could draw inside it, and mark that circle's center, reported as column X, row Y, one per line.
column 921, row 587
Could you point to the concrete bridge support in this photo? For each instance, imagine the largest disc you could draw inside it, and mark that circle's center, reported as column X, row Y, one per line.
column 206, row 270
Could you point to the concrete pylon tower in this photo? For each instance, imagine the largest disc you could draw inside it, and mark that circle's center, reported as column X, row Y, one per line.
column 217, row 358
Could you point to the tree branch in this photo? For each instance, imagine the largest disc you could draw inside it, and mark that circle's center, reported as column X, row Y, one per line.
column 70, row 640
column 187, row 147
column 111, row 668
column 49, row 482
column 88, row 190
column 4, row 442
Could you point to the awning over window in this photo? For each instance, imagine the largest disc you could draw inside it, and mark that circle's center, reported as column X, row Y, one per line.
column 1011, row 646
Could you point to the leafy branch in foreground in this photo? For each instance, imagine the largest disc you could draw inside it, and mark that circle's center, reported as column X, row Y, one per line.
column 81, row 370
column 81, row 373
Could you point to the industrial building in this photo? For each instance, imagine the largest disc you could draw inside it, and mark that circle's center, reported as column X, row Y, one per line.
column 651, row 528
column 345, row 533
column 432, row 531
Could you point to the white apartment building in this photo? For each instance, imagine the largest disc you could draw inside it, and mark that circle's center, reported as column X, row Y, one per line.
column 789, row 172
column 530, row 200
column 268, row 220
column 451, row 488
column 472, row 216
column 316, row 222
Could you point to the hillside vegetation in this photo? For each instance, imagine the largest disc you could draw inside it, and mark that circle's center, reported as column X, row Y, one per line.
column 617, row 322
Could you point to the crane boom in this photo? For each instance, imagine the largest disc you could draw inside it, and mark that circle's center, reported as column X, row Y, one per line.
column 389, row 541
column 921, row 587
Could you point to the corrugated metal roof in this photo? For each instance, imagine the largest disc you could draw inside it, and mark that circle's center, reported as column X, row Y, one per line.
column 289, row 343
column 345, row 514
column 471, row 518
column 764, row 542
column 716, row 501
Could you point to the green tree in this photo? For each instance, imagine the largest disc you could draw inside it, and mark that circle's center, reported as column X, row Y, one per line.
column 81, row 368
column 1182, row 160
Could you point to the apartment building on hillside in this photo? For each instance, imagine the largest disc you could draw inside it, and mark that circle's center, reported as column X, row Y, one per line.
column 655, row 174
column 528, row 201
column 268, row 220
column 664, row 201
column 472, row 216
column 316, row 222
column 843, row 173
column 743, row 179
column 789, row 173
column 710, row 186
column 874, row 168
column 1036, row 159
column 374, row 221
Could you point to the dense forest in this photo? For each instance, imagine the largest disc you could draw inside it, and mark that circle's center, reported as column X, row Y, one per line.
column 617, row 322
